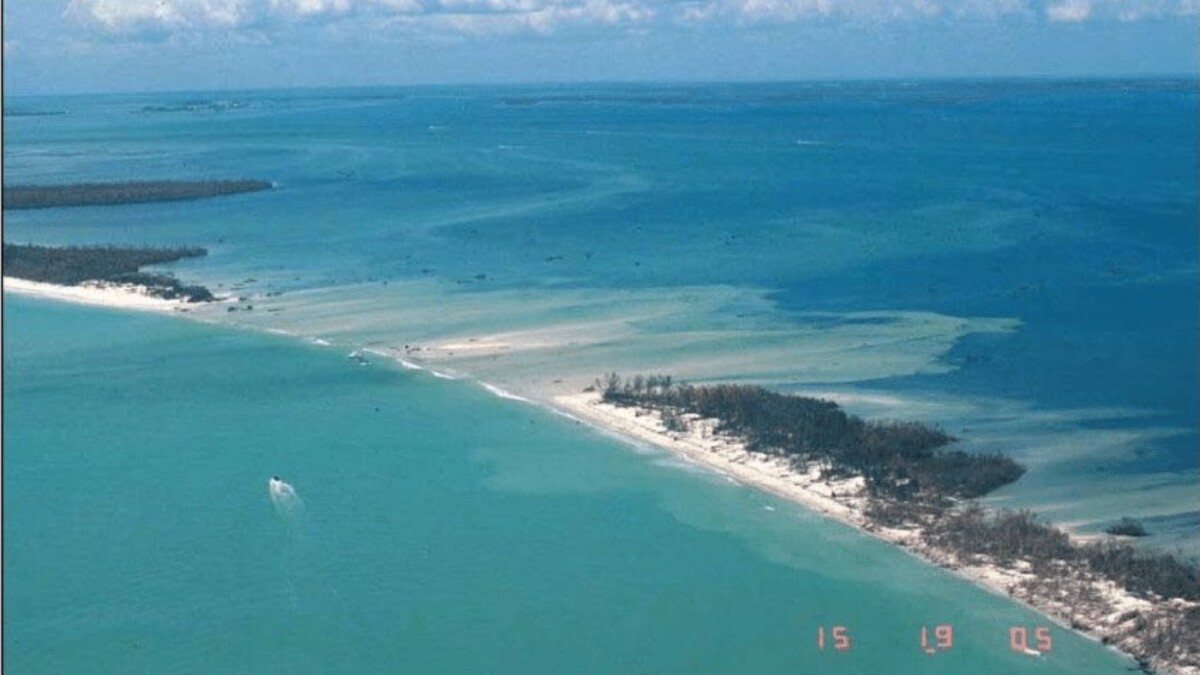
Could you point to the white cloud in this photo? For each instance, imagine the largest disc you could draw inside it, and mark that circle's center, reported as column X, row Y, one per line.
column 755, row 11
column 304, row 8
column 134, row 17
column 492, row 16
column 1059, row 11
column 1071, row 11
column 159, row 17
column 125, row 15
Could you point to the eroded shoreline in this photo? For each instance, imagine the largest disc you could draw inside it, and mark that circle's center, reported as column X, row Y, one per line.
column 1077, row 599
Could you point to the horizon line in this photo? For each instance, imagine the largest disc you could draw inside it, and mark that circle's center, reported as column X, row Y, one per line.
column 893, row 79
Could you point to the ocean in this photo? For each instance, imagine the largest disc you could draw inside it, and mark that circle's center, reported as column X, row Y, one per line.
column 1012, row 260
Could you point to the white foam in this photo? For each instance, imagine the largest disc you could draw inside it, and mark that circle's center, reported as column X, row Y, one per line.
column 318, row 341
column 686, row 465
column 503, row 393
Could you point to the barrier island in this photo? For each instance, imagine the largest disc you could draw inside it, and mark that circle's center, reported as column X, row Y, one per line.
column 104, row 266
column 906, row 483
column 130, row 192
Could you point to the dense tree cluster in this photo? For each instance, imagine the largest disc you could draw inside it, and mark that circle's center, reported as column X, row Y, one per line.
column 1012, row 535
column 73, row 265
column 1143, row 571
column 1127, row 527
column 99, row 194
column 898, row 459
column 1005, row 536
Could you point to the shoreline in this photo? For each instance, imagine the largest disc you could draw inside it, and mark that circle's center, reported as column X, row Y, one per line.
column 99, row 294
column 1112, row 618
column 1113, row 623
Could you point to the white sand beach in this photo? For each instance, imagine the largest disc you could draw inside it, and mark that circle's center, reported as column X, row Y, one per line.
column 120, row 296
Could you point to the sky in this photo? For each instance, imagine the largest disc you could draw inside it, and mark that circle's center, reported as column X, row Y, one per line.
column 96, row 46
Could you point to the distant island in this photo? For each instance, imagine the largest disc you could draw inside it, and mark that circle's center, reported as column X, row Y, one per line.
column 104, row 266
column 34, row 113
column 131, row 192
column 902, row 482
column 194, row 105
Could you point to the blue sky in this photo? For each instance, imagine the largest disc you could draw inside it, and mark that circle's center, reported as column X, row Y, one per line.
column 67, row 46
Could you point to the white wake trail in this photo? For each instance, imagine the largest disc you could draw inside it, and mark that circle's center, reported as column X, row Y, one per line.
column 284, row 498
column 290, row 509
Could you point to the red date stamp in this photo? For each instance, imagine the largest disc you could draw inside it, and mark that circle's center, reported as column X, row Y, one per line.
column 1018, row 639
column 839, row 638
column 939, row 640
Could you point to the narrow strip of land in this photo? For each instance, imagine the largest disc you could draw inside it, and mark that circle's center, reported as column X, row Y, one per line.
column 131, row 192
column 903, row 483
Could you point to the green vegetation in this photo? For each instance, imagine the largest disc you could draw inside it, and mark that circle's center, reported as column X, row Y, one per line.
column 73, row 265
column 1013, row 535
column 912, row 478
column 1006, row 536
column 900, row 460
column 1127, row 527
column 1143, row 572
column 131, row 192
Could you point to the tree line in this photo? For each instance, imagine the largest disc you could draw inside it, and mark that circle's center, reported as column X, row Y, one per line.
column 129, row 192
column 73, row 265
column 903, row 460
column 1012, row 535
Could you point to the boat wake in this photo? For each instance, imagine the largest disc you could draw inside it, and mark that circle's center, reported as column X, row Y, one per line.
column 290, row 509
column 284, row 498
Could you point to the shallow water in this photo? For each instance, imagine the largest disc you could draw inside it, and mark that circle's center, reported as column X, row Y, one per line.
column 443, row 529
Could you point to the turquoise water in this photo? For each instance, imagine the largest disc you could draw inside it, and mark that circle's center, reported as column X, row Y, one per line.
column 443, row 530
column 1012, row 260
